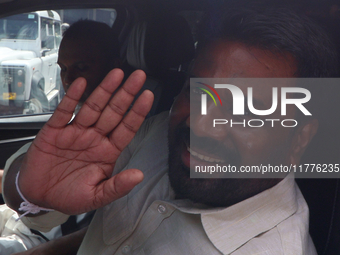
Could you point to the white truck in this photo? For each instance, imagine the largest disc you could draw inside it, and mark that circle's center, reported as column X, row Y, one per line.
column 29, row 74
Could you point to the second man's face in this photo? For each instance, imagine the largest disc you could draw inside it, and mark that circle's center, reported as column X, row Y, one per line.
column 82, row 58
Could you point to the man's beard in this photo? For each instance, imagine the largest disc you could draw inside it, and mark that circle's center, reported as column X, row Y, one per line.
column 218, row 192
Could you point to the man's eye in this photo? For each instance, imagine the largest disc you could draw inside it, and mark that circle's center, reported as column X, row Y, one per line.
column 82, row 67
column 248, row 113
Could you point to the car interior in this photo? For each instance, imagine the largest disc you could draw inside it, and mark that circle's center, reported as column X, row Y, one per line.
column 159, row 37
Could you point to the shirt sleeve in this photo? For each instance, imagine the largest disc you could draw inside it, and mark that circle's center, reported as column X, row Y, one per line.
column 44, row 222
column 16, row 236
column 21, row 151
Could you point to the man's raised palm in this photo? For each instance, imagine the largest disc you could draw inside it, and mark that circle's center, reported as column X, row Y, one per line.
column 68, row 166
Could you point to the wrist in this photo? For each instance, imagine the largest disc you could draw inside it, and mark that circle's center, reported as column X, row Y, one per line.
column 27, row 207
column 10, row 193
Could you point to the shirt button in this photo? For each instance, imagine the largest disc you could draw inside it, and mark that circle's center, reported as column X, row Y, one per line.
column 126, row 249
column 161, row 209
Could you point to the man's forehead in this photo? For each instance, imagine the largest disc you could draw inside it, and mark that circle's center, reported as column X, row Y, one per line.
column 82, row 49
column 245, row 67
column 225, row 59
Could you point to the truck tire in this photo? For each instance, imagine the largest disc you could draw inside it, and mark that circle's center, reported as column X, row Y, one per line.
column 34, row 106
column 37, row 93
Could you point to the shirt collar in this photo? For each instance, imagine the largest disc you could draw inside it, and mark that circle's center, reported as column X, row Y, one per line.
column 231, row 227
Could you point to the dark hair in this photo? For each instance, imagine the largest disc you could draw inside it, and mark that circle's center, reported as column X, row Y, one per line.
column 278, row 30
column 100, row 33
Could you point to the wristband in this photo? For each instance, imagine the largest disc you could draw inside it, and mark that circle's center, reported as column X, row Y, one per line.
column 26, row 206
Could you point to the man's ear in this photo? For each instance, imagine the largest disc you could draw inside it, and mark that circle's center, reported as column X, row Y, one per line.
column 302, row 137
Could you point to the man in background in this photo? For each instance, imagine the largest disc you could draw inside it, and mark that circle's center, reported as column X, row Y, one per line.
column 89, row 49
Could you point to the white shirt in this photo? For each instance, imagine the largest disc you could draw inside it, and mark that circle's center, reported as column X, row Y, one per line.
column 15, row 236
column 149, row 221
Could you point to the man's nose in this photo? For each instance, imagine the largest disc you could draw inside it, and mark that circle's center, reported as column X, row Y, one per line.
column 67, row 78
column 203, row 125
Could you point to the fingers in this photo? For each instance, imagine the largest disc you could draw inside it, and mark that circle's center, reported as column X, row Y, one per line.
column 94, row 105
column 92, row 110
column 128, row 127
column 120, row 103
column 64, row 112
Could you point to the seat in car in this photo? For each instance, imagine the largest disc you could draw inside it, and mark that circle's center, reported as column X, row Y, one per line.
column 160, row 47
column 322, row 196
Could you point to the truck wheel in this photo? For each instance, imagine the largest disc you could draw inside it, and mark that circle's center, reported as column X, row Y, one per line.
column 38, row 95
column 34, row 106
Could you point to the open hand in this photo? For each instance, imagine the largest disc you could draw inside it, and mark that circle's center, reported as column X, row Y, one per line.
column 68, row 166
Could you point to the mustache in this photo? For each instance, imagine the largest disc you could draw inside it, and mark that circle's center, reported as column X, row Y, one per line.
column 209, row 145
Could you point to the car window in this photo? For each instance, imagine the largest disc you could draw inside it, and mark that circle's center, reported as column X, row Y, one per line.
column 30, row 83
column 21, row 26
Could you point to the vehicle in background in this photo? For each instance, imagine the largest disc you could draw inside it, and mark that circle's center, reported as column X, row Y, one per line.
column 29, row 73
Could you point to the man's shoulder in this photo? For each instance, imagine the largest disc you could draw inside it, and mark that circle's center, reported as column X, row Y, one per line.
column 290, row 235
column 263, row 223
column 294, row 231
column 151, row 125
column 155, row 121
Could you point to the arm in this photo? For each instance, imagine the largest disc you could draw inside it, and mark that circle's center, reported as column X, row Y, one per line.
column 45, row 222
column 66, row 245
column 68, row 167
column 10, row 174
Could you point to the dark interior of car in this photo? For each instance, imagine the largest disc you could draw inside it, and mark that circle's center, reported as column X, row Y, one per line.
column 159, row 37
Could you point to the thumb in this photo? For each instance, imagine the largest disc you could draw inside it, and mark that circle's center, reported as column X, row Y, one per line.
column 121, row 184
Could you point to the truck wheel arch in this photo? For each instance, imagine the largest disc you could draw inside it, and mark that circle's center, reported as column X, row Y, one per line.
column 37, row 90
column 38, row 81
